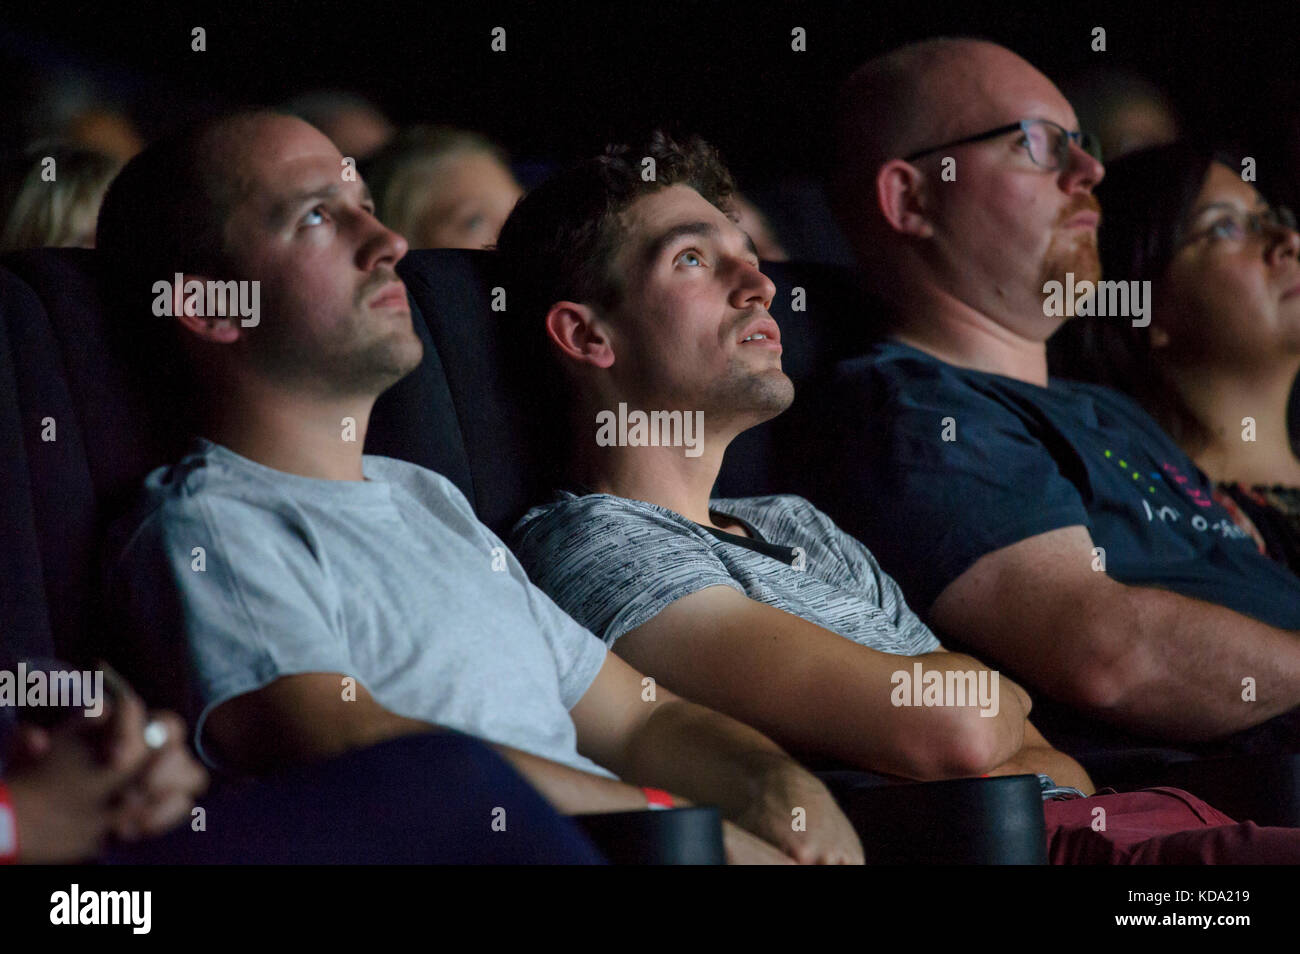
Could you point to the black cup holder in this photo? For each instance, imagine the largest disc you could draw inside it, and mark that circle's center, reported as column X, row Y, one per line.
column 672, row 836
column 978, row 821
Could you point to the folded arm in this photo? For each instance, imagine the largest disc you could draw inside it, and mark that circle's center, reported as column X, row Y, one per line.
column 1146, row 659
column 812, row 690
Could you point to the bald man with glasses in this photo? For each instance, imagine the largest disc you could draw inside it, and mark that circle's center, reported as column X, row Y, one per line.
column 1046, row 526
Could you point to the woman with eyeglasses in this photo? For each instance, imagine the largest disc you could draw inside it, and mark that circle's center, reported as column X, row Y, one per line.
column 1218, row 361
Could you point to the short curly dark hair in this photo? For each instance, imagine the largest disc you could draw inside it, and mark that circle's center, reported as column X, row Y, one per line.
column 560, row 239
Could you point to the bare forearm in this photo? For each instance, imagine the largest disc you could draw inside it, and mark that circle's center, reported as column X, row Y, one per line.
column 573, row 792
column 964, row 736
column 1194, row 670
column 709, row 758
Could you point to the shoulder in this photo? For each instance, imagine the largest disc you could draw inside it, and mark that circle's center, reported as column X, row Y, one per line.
column 908, row 381
column 207, row 499
column 428, row 486
column 593, row 514
column 1116, row 403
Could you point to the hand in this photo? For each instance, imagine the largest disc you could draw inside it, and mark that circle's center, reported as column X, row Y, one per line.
column 162, row 792
column 829, row 838
column 745, row 849
column 74, row 784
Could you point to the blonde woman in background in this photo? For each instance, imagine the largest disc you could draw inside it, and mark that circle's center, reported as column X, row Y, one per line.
column 52, row 196
column 442, row 187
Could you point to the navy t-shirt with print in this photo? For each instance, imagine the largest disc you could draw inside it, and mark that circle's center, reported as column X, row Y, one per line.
column 937, row 465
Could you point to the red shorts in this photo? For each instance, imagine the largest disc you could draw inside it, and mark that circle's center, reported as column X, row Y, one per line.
column 1159, row 826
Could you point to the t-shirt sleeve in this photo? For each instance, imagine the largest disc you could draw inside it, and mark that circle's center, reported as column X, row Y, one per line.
column 941, row 474
column 245, row 587
column 613, row 567
column 877, row 585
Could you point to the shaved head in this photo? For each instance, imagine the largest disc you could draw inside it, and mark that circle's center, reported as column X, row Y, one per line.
column 911, row 98
column 981, row 223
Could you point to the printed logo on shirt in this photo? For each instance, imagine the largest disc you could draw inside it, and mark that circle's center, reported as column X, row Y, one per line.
column 1171, row 478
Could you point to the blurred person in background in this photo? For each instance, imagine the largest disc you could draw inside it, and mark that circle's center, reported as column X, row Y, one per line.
column 76, row 107
column 51, row 195
column 755, row 224
column 442, row 187
column 1126, row 111
column 1217, row 363
column 354, row 124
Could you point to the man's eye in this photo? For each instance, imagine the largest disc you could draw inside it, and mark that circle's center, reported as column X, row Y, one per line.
column 317, row 212
column 690, row 258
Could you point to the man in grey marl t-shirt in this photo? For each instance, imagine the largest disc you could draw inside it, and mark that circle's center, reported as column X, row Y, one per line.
column 761, row 608
column 615, row 563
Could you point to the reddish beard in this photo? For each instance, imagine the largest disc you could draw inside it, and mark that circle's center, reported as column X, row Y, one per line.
column 1072, row 250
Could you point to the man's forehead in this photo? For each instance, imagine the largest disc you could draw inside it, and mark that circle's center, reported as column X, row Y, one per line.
column 652, row 215
column 993, row 87
column 283, row 156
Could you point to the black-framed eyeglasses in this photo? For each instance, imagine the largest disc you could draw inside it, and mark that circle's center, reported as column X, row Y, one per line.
column 1235, row 225
column 1048, row 142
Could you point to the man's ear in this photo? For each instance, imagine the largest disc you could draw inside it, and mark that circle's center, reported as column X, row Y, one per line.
column 902, row 195
column 579, row 333
column 189, row 302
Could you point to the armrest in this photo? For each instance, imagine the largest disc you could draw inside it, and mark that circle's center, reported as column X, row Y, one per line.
column 672, row 836
column 958, row 821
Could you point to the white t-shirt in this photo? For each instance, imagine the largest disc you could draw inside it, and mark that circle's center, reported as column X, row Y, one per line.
column 391, row 580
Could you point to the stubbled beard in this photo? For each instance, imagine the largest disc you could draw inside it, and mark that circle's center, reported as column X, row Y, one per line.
column 354, row 368
column 743, row 391
column 1072, row 250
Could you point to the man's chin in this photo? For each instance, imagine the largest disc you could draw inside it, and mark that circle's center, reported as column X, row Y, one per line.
column 767, row 396
column 1073, row 270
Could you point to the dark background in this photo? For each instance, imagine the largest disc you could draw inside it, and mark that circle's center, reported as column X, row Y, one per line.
column 575, row 74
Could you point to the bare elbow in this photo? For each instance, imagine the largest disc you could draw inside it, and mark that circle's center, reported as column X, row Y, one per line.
column 1104, row 678
column 969, row 744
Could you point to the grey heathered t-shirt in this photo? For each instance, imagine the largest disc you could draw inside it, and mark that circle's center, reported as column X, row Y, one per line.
column 614, row 563
column 392, row 581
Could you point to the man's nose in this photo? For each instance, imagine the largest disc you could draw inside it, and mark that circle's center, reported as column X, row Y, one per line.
column 382, row 246
column 1083, row 171
column 752, row 286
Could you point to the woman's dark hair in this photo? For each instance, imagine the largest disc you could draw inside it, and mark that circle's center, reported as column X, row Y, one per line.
column 1146, row 200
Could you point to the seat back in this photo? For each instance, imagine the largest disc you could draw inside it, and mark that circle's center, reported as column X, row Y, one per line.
column 88, row 436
